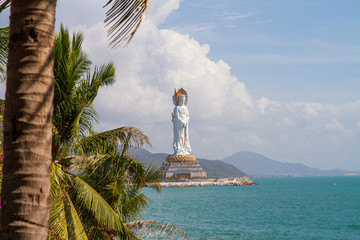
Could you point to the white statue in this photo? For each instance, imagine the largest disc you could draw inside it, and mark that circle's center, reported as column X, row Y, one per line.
column 180, row 119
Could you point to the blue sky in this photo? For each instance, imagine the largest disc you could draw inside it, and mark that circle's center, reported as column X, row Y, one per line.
column 279, row 78
column 285, row 50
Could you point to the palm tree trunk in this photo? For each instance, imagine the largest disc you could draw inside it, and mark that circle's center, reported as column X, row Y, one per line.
column 28, row 121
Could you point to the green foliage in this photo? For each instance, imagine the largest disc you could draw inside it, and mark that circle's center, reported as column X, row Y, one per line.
column 4, row 41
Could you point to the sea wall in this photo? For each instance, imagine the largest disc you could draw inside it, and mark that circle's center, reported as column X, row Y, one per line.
column 207, row 182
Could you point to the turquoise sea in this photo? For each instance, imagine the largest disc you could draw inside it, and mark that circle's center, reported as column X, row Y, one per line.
column 279, row 208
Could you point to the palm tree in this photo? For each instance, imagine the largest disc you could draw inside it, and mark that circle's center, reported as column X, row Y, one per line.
column 29, row 107
column 104, row 195
column 75, row 91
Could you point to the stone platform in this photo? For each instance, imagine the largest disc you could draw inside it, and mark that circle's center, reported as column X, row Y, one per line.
column 179, row 167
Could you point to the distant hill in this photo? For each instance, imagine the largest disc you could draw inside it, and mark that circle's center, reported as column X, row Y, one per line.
column 214, row 168
column 259, row 165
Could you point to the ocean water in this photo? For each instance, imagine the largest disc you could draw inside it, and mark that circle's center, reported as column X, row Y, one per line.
column 279, row 208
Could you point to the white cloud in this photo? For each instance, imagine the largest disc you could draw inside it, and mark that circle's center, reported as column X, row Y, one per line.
column 334, row 125
column 231, row 15
column 288, row 122
column 234, row 15
column 193, row 28
column 159, row 10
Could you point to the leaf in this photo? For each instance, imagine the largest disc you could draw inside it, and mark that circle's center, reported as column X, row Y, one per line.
column 65, row 221
column 152, row 229
column 153, row 176
column 83, row 163
column 58, row 224
column 96, row 204
column 127, row 136
column 4, row 41
column 4, row 4
column 123, row 19
column 78, row 228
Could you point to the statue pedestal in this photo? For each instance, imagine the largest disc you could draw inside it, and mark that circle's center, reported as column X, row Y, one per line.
column 182, row 167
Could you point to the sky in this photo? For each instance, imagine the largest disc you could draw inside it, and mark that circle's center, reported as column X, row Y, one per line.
column 279, row 78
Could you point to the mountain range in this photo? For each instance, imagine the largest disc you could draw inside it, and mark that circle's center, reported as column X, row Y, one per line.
column 259, row 165
column 214, row 168
column 244, row 163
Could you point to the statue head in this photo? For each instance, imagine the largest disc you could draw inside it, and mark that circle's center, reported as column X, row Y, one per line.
column 177, row 94
column 181, row 100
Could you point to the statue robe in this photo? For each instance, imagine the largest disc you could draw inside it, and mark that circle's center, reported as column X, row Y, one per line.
column 180, row 118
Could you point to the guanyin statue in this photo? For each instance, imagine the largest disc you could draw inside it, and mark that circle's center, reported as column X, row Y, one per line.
column 180, row 119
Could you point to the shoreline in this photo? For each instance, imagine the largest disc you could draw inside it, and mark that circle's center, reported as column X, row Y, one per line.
column 206, row 182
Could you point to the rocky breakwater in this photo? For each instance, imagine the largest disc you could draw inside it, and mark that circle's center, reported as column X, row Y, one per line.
column 205, row 182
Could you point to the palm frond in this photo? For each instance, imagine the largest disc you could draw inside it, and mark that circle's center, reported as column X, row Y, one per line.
column 4, row 4
column 71, row 64
column 2, row 106
column 56, row 143
column 136, row 172
column 103, row 76
column 126, row 136
column 123, row 19
column 86, row 92
column 152, row 229
column 4, row 41
column 84, row 163
column 98, row 233
column 65, row 222
column 133, row 206
column 96, row 204
column 83, row 117
column 153, row 177
column 77, row 229
column 58, row 224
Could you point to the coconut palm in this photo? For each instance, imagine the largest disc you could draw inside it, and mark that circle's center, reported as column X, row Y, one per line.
column 74, row 141
column 28, row 111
